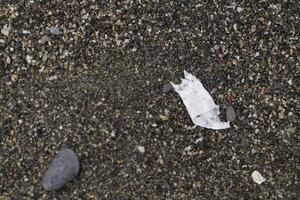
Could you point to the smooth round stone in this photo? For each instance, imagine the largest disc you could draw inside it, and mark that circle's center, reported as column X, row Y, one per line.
column 63, row 169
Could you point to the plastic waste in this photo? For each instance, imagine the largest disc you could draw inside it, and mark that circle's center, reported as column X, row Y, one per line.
column 199, row 103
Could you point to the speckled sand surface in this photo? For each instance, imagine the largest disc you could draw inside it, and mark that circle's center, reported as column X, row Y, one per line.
column 89, row 75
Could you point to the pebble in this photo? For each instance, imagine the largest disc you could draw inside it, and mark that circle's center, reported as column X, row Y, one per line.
column 239, row 9
column 8, row 60
column 291, row 130
column 163, row 117
column 141, row 149
column 52, row 78
column 5, row 30
column 230, row 114
column 63, row 169
column 28, row 59
column 168, row 88
column 257, row 177
column 55, row 31
column 44, row 39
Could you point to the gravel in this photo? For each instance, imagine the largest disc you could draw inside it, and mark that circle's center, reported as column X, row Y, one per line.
column 96, row 88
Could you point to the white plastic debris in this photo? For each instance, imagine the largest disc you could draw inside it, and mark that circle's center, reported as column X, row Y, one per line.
column 257, row 177
column 199, row 104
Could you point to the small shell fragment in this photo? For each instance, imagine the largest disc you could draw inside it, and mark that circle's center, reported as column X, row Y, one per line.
column 257, row 177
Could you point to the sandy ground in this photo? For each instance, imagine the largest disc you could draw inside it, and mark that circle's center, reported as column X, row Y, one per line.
column 89, row 76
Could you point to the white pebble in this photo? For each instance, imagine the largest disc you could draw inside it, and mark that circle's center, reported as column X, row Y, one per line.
column 113, row 134
column 257, row 177
column 141, row 149
column 5, row 30
column 28, row 59
column 239, row 9
column 235, row 27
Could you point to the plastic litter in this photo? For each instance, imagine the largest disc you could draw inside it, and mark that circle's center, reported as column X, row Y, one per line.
column 199, row 104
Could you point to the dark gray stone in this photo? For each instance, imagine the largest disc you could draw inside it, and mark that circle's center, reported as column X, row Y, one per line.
column 279, row 85
column 63, row 168
column 230, row 114
column 168, row 88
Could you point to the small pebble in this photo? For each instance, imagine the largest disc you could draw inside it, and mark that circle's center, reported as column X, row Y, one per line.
column 28, row 59
column 291, row 130
column 44, row 39
column 5, row 30
column 257, row 177
column 55, row 31
column 230, row 114
column 8, row 60
column 52, row 78
column 141, row 149
column 163, row 117
column 239, row 9
column 63, row 169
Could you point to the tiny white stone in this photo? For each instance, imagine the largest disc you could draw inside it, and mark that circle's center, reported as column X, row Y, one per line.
column 86, row 16
column 51, row 78
column 239, row 9
column 5, row 30
column 199, row 140
column 161, row 161
column 290, row 82
column 28, row 59
column 8, row 60
column 26, row 32
column 113, row 134
column 235, row 27
column 141, row 149
column 257, row 177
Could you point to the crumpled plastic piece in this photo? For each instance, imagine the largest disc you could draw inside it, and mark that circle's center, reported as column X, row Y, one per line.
column 199, row 104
